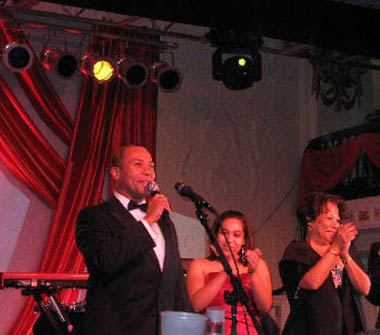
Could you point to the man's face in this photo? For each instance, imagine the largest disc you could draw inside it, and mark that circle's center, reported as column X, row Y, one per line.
column 135, row 171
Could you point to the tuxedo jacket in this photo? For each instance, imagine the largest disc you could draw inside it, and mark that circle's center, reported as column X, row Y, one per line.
column 126, row 288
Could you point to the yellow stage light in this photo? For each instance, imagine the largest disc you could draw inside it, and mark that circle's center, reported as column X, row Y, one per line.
column 103, row 70
column 242, row 62
column 100, row 68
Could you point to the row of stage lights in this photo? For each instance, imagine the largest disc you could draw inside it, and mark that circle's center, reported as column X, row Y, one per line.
column 236, row 62
column 18, row 57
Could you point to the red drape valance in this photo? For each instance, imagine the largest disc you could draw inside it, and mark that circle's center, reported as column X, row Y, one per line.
column 322, row 170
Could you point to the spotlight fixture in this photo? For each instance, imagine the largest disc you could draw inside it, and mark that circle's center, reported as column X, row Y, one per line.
column 133, row 73
column 17, row 57
column 101, row 69
column 166, row 77
column 240, row 70
column 65, row 64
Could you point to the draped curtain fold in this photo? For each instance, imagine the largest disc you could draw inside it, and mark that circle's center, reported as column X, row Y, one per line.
column 109, row 115
column 24, row 150
column 322, row 170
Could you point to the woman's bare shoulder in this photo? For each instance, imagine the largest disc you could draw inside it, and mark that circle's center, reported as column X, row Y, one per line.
column 205, row 264
column 208, row 265
column 198, row 262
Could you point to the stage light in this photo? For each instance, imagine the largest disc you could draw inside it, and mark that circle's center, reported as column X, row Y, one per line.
column 134, row 74
column 242, row 62
column 238, row 71
column 101, row 69
column 17, row 57
column 65, row 64
column 166, row 77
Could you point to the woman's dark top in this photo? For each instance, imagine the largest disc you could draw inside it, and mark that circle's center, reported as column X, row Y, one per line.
column 325, row 311
column 374, row 294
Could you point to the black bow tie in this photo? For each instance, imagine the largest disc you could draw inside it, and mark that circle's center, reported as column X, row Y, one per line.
column 132, row 205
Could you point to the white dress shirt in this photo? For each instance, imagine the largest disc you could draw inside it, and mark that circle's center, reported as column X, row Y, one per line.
column 153, row 230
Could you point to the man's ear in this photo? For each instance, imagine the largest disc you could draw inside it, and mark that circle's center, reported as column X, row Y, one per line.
column 115, row 172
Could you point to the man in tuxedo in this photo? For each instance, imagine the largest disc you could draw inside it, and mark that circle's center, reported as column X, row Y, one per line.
column 131, row 255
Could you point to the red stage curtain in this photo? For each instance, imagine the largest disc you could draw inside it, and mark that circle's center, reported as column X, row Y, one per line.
column 46, row 102
column 109, row 115
column 24, row 150
column 322, row 170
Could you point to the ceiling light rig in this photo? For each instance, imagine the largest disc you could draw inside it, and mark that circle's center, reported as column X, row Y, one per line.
column 134, row 73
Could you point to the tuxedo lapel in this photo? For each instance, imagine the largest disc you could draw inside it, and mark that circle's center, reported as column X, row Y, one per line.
column 166, row 229
column 119, row 212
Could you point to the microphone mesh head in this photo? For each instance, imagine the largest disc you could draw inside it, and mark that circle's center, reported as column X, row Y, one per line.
column 151, row 189
column 179, row 186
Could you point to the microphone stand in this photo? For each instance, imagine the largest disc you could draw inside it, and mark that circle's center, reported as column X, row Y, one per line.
column 231, row 299
column 238, row 291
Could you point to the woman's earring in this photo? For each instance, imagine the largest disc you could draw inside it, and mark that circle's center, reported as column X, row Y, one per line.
column 243, row 258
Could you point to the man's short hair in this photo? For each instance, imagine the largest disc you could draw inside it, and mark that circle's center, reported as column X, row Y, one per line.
column 117, row 156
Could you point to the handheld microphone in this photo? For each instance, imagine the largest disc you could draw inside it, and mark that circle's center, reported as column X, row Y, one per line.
column 186, row 191
column 152, row 189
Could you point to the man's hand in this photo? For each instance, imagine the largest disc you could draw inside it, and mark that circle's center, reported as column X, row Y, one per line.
column 156, row 205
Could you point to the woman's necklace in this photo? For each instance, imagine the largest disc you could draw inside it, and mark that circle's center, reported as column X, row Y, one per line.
column 337, row 274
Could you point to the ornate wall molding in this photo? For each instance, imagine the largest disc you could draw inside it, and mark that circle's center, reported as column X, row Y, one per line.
column 337, row 79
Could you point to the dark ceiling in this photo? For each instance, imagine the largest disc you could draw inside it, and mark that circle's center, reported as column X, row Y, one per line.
column 329, row 24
